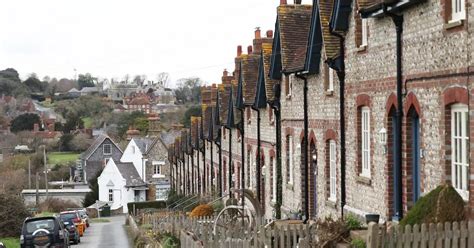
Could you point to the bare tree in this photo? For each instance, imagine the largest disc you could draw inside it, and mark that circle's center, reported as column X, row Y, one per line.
column 163, row 79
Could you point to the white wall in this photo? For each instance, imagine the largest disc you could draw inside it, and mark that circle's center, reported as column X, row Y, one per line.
column 133, row 154
column 112, row 174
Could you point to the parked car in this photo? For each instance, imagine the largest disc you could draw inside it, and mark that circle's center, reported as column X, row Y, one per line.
column 43, row 232
column 78, row 222
column 83, row 214
column 73, row 232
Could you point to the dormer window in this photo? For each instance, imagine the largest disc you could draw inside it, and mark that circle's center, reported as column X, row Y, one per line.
column 107, row 149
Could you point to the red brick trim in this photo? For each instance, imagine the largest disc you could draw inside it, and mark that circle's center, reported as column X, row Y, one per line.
column 412, row 101
column 312, row 137
column 302, row 136
column 272, row 153
column 289, row 131
column 391, row 101
column 455, row 95
column 330, row 135
column 363, row 100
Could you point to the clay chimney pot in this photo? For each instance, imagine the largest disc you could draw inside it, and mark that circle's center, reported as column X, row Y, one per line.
column 249, row 50
column 270, row 34
column 258, row 34
column 239, row 50
column 282, row 2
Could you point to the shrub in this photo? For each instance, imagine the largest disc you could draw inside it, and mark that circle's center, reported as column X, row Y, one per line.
column 12, row 215
column 202, row 210
column 442, row 204
column 330, row 231
column 144, row 205
column 55, row 205
column 358, row 243
column 353, row 223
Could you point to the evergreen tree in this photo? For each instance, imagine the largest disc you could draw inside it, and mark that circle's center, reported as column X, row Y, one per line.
column 92, row 196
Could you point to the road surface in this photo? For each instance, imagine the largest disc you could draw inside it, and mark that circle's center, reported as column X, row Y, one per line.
column 111, row 234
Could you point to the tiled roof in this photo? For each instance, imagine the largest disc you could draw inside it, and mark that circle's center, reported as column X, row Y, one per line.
column 194, row 130
column 206, row 114
column 143, row 144
column 139, row 101
column 128, row 171
column 331, row 42
column 249, row 76
column 294, row 24
column 267, row 54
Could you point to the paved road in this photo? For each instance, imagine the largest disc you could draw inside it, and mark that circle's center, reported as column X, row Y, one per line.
column 111, row 234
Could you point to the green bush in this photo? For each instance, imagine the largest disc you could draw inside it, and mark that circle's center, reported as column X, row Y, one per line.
column 442, row 204
column 358, row 243
column 353, row 223
column 148, row 204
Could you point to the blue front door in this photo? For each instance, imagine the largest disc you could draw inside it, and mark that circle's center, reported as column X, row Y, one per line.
column 416, row 156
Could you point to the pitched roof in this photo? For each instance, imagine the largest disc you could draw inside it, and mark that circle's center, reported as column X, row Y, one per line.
column 294, row 24
column 143, row 144
column 97, row 142
column 128, row 171
column 249, row 77
column 269, row 83
column 313, row 54
column 331, row 42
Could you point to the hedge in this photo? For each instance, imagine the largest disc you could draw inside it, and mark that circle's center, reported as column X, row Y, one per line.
column 144, row 205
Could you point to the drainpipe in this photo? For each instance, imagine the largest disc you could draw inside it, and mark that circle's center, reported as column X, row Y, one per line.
column 204, row 181
column 398, row 21
column 198, row 172
column 242, row 160
column 212, row 186
column 230, row 161
column 219, row 145
column 341, row 74
column 276, row 109
column 192, row 173
column 305, row 146
column 259, row 145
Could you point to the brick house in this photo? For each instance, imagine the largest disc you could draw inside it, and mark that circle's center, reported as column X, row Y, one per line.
column 436, row 75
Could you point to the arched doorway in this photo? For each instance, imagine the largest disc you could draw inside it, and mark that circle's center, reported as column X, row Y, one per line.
column 394, row 202
column 413, row 146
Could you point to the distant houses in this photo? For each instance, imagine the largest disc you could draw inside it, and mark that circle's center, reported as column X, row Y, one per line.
column 138, row 173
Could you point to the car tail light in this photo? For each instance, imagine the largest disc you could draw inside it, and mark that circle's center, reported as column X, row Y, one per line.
column 22, row 239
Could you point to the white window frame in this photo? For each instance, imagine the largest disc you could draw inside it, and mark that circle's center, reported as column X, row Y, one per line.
column 274, row 186
column 332, row 171
column 156, row 169
column 103, row 149
column 365, row 32
column 458, row 10
column 111, row 195
column 460, row 149
column 290, row 159
column 331, row 80
column 365, row 136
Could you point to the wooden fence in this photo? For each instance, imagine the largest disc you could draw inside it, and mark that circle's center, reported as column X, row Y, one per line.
column 199, row 232
column 447, row 235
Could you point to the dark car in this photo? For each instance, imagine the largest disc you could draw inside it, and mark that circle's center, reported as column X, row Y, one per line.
column 71, row 228
column 2, row 245
column 44, row 232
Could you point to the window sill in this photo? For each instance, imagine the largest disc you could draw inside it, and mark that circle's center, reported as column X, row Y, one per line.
column 331, row 203
column 361, row 48
column 329, row 92
column 363, row 180
column 289, row 186
column 452, row 24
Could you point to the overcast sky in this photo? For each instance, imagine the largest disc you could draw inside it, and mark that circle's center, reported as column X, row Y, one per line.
column 113, row 38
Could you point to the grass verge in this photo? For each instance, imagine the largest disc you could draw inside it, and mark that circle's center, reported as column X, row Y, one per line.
column 11, row 242
column 62, row 157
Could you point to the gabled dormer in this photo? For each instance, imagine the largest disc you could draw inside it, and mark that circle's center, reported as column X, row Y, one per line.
column 261, row 95
column 291, row 39
column 315, row 42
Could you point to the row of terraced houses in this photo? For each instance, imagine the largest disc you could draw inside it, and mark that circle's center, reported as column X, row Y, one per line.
column 345, row 107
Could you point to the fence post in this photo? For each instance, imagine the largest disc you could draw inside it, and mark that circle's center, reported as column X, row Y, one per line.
column 372, row 235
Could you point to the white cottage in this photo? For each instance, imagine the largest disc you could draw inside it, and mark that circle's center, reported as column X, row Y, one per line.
column 134, row 153
column 120, row 184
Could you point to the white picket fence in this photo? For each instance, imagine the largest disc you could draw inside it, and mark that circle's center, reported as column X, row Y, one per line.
column 447, row 235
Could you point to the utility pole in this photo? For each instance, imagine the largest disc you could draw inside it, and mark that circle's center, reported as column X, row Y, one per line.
column 45, row 170
column 29, row 173
column 37, row 189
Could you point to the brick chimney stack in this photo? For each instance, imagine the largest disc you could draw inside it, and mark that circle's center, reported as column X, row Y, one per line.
column 225, row 73
column 258, row 33
column 270, row 34
column 239, row 50
column 257, row 42
column 249, row 50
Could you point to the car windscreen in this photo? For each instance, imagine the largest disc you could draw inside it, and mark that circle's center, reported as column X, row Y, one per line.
column 34, row 225
column 68, row 216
